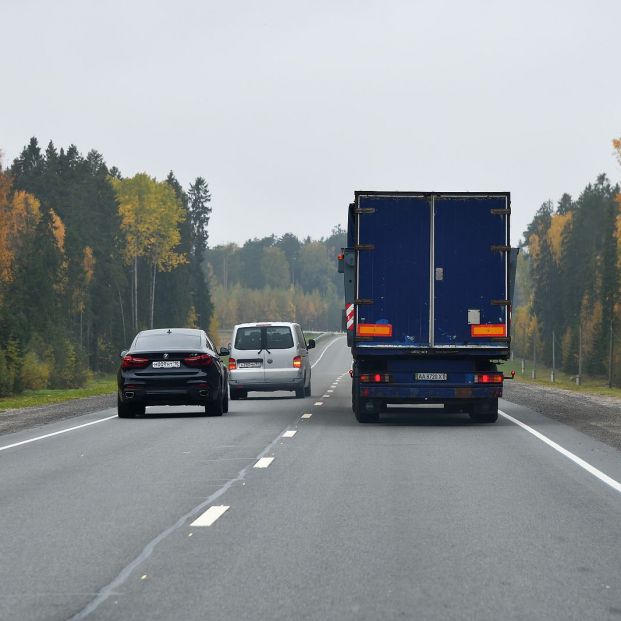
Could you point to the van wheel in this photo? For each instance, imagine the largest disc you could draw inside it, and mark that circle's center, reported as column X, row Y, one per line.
column 307, row 390
column 300, row 392
column 225, row 402
column 236, row 394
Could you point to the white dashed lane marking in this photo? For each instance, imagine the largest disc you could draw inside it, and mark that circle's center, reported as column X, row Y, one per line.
column 318, row 403
column 264, row 462
column 210, row 516
column 289, row 434
column 307, row 415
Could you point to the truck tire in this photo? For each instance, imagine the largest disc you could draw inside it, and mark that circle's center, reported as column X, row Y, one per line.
column 361, row 411
column 485, row 411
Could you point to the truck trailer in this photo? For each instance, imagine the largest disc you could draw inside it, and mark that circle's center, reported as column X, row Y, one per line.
column 428, row 284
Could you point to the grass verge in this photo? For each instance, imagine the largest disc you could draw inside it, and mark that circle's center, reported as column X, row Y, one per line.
column 589, row 385
column 101, row 385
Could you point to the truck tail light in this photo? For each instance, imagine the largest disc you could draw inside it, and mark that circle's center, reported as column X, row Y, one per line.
column 375, row 378
column 482, row 330
column 297, row 362
column 374, row 329
column 488, row 378
column 133, row 362
column 232, row 364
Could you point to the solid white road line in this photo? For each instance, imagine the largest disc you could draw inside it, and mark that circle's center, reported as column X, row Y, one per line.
column 56, row 433
column 264, row 462
column 289, row 434
column 318, row 403
column 210, row 516
column 307, row 415
column 563, row 451
column 324, row 351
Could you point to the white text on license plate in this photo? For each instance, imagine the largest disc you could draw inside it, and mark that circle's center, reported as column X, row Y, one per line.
column 438, row 377
column 166, row 364
column 248, row 365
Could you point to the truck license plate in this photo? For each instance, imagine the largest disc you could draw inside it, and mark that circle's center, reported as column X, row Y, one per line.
column 438, row 377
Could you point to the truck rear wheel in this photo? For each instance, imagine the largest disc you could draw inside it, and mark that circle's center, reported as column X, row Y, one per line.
column 365, row 410
column 485, row 411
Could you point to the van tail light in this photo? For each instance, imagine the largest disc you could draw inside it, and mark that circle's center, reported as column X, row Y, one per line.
column 488, row 378
column 232, row 364
column 297, row 362
column 133, row 362
column 202, row 360
column 375, row 378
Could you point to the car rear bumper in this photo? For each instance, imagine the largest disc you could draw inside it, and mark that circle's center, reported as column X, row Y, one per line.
column 193, row 394
column 267, row 386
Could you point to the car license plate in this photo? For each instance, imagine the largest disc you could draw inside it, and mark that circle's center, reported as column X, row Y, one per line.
column 436, row 377
column 166, row 364
column 249, row 365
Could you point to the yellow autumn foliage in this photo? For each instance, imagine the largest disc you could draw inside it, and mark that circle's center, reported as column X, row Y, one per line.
column 558, row 224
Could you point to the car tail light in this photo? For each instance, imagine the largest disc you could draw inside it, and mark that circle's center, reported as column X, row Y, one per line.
column 375, row 378
column 488, row 378
column 297, row 362
column 133, row 362
column 232, row 364
column 202, row 360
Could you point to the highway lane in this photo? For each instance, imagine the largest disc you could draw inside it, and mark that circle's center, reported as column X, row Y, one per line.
column 418, row 517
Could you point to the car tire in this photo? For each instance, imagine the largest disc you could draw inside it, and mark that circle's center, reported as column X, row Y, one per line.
column 225, row 402
column 215, row 408
column 124, row 410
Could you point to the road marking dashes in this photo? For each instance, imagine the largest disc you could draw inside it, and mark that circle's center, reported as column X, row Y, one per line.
column 307, row 415
column 318, row 403
column 264, row 462
column 326, row 396
column 210, row 516
column 289, row 434
column 330, row 390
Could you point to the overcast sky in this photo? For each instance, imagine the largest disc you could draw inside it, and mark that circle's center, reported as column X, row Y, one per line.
column 287, row 107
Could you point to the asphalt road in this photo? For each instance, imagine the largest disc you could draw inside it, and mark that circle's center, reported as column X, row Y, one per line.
column 423, row 516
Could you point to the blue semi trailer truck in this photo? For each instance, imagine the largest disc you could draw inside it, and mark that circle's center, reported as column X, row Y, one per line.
column 428, row 284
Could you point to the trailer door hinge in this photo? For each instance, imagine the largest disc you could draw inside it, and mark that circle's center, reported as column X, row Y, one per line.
column 364, row 247
column 363, row 301
column 364, row 210
column 500, row 248
column 501, row 212
column 500, row 302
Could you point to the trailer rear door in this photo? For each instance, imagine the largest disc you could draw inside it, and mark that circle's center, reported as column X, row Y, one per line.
column 470, row 278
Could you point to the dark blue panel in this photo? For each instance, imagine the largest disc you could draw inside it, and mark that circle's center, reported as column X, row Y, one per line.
column 395, row 275
column 473, row 274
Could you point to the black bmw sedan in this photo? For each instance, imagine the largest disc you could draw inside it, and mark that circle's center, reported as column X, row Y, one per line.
column 174, row 366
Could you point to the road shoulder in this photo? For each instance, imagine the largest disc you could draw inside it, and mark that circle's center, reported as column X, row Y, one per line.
column 595, row 415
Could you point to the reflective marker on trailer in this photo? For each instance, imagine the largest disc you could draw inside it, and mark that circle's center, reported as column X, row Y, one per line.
column 488, row 329
column 374, row 329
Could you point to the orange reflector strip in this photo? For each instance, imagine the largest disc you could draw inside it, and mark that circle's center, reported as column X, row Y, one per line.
column 374, row 329
column 488, row 329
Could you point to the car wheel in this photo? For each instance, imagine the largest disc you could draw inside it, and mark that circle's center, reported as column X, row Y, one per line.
column 215, row 408
column 124, row 410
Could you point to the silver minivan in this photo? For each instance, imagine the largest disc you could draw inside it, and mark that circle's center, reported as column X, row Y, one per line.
column 269, row 356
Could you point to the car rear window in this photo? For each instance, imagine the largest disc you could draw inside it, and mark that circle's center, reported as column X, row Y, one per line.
column 279, row 337
column 248, row 338
column 166, row 342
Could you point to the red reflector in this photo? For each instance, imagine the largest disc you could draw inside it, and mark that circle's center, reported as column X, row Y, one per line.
column 232, row 364
column 488, row 378
column 297, row 362
column 378, row 378
column 133, row 362
column 374, row 329
column 488, row 329
column 341, row 257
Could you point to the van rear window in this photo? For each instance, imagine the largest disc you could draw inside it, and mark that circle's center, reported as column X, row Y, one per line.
column 279, row 337
column 248, row 338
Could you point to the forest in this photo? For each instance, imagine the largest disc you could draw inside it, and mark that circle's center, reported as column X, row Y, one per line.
column 567, row 285
column 89, row 257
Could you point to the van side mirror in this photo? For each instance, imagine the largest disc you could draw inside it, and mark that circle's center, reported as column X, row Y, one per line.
column 123, row 353
column 224, row 351
column 311, row 343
